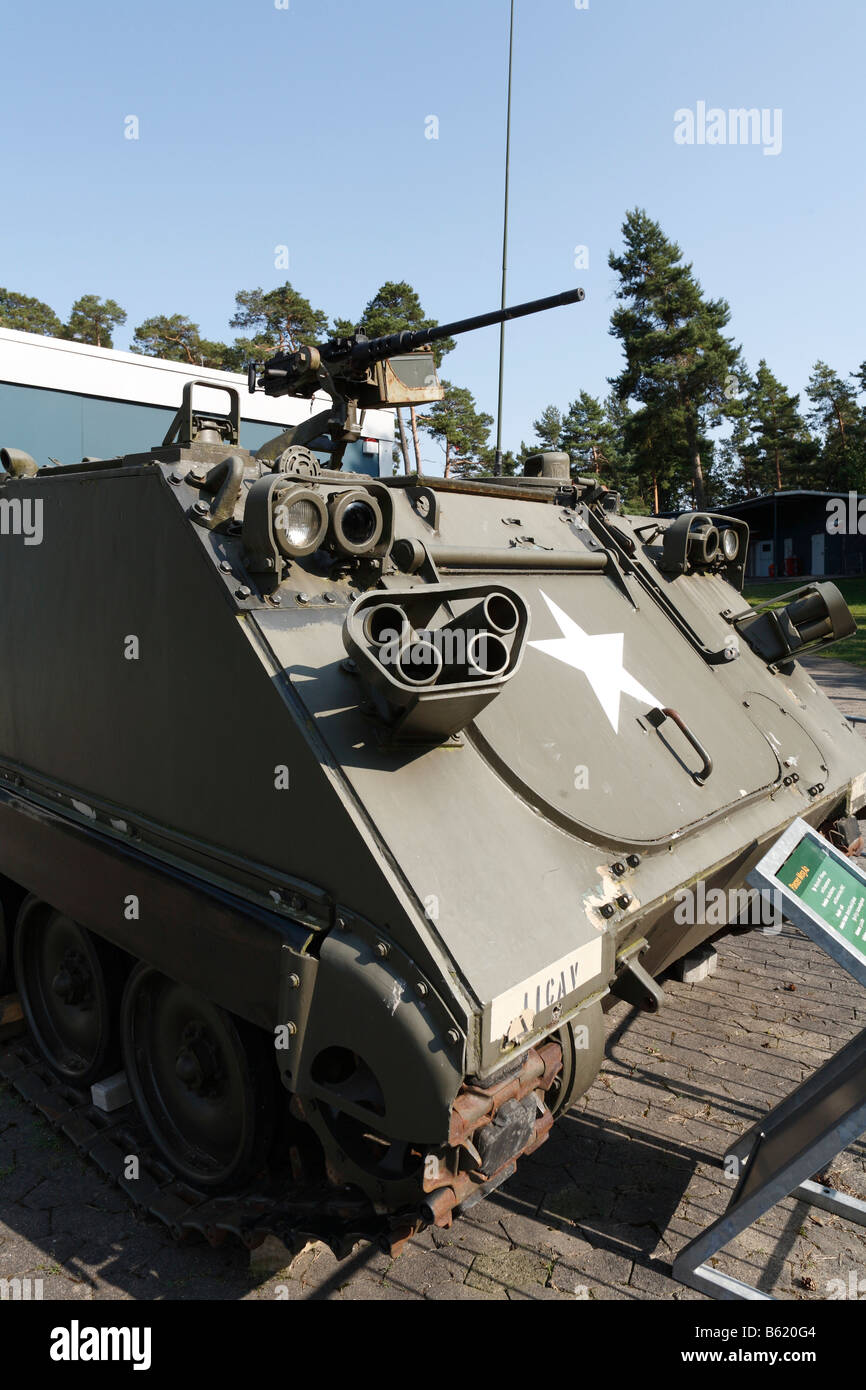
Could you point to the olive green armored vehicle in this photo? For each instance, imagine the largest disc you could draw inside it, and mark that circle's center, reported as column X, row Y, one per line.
column 335, row 809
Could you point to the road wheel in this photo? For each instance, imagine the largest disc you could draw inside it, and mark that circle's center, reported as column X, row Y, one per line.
column 69, row 983
column 204, row 1081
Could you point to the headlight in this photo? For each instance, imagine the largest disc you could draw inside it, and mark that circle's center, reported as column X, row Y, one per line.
column 703, row 544
column 730, row 544
column 356, row 522
column 300, row 522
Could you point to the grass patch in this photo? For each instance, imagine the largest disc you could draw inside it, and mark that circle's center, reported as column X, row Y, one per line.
column 853, row 591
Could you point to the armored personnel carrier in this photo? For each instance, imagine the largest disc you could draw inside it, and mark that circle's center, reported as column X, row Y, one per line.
column 335, row 809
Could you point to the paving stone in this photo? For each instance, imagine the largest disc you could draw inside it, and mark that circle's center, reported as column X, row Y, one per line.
column 422, row 1271
column 592, row 1270
column 477, row 1239
column 539, row 1294
column 577, row 1203
column 655, row 1282
column 450, row 1246
column 530, row 1233
column 455, row 1292
column 394, row 1290
column 513, row 1269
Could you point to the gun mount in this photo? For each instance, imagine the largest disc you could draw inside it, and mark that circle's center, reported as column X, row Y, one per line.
column 361, row 373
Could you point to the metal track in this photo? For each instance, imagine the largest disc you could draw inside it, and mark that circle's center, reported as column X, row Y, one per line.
column 340, row 1217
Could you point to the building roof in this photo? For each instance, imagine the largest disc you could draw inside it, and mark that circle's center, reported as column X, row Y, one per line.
column 785, row 492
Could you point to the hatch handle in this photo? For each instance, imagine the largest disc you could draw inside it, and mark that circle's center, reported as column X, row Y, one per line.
column 657, row 717
column 226, row 480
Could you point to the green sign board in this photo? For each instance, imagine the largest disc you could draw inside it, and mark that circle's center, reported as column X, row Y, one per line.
column 836, row 893
column 822, row 892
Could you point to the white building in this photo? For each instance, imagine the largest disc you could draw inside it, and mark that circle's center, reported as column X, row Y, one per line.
column 67, row 401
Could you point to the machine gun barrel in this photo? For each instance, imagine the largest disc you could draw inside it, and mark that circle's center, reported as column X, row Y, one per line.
column 364, row 352
column 347, row 359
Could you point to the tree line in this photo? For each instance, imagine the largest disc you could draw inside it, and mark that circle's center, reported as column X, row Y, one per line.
column 657, row 436
column 274, row 320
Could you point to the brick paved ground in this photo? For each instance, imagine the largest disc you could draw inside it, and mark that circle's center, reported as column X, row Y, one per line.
column 628, row 1176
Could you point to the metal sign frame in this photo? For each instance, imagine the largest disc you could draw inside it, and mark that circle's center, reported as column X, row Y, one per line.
column 779, row 1155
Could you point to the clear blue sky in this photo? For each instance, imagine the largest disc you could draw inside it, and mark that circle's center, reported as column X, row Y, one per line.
column 306, row 127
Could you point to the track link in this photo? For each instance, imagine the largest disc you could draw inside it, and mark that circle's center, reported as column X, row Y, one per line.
column 340, row 1217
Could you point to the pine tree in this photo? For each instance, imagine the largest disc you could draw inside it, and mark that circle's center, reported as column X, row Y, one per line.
column 460, row 426
column 177, row 338
column 281, row 319
column 778, row 439
column 734, row 477
column 618, row 464
column 236, row 356
column 678, row 361
column 92, row 320
column 593, row 434
column 548, row 427
column 394, row 307
column 728, row 480
column 26, row 315
column 837, row 419
column 656, row 458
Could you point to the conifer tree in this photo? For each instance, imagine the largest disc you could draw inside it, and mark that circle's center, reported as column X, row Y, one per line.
column 281, row 318
column 92, row 320
column 593, row 436
column 548, row 427
column 618, row 460
column 394, row 307
column 778, row 439
column 678, row 361
column 26, row 315
column 837, row 419
column 177, row 338
column 461, row 427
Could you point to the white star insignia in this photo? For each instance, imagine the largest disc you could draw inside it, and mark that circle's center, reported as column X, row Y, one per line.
column 600, row 660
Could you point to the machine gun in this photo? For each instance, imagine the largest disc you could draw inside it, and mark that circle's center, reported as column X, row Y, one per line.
column 361, row 373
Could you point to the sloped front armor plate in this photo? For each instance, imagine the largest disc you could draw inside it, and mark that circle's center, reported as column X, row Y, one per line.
column 570, row 733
